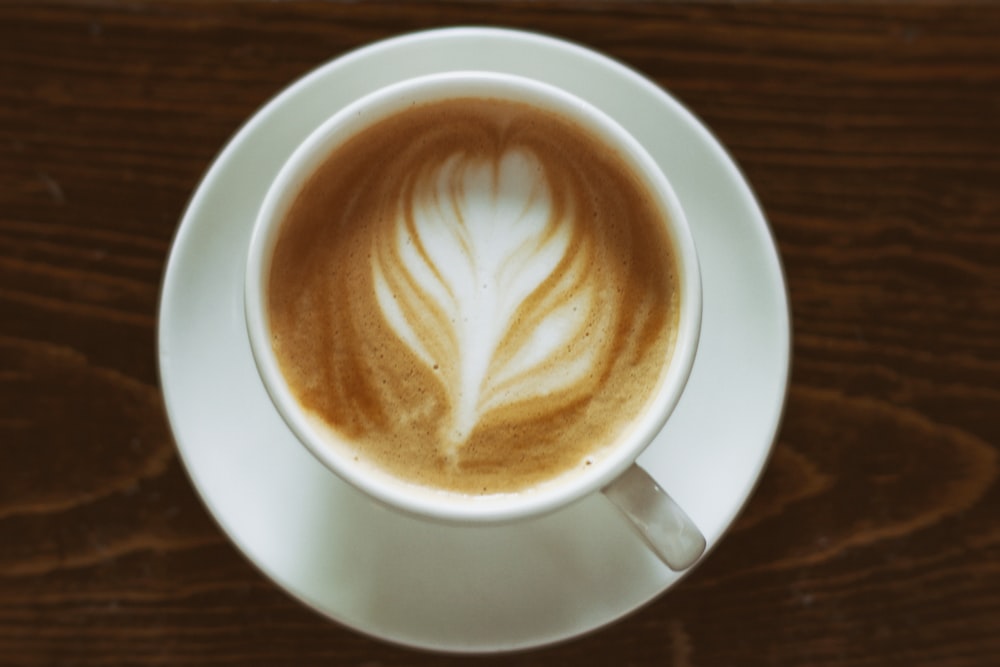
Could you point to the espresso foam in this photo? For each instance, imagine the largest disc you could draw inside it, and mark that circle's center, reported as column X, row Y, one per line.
column 475, row 295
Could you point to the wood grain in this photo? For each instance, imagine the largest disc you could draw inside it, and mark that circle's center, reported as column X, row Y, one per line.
column 871, row 134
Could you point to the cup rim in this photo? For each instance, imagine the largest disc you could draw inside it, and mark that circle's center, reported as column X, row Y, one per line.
column 412, row 498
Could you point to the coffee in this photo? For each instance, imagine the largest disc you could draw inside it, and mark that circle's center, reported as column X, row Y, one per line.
column 474, row 295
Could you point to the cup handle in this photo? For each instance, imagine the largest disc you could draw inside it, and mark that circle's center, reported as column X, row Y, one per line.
column 659, row 520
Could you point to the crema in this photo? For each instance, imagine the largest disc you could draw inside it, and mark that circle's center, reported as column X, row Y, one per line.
column 476, row 295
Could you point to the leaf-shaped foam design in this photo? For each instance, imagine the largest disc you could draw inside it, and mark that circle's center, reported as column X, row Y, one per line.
column 482, row 280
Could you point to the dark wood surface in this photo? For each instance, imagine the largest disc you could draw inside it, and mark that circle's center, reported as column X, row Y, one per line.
column 872, row 137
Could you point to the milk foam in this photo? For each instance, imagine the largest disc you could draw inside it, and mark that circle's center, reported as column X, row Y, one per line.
column 474, row 241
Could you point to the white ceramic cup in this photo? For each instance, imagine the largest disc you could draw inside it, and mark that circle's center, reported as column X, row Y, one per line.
column 651, row 511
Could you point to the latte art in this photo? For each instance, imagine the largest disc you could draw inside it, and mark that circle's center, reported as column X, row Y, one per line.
column 474, row 295
column 487, row 284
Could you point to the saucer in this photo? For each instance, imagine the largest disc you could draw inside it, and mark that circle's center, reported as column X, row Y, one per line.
column 449, row 588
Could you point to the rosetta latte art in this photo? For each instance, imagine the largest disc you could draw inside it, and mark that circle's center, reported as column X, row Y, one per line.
column 486, row 284
column 474, row 296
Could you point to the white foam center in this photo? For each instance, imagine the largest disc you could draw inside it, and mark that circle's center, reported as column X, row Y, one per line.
column 489, row 238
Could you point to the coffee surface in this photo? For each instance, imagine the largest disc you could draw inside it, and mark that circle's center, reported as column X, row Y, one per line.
column 475, row 295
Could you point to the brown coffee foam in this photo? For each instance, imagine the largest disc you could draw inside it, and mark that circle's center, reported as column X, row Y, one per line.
column 346, row 363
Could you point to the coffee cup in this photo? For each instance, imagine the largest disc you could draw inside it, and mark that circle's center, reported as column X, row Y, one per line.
column 475, row 297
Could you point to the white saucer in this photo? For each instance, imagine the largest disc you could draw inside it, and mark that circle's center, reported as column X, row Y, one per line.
column 448, row 588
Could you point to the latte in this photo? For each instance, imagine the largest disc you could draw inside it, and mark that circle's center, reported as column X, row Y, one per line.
column 475, row 295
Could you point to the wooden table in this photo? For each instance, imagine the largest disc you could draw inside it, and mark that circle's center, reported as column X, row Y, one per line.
column 872, row 137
